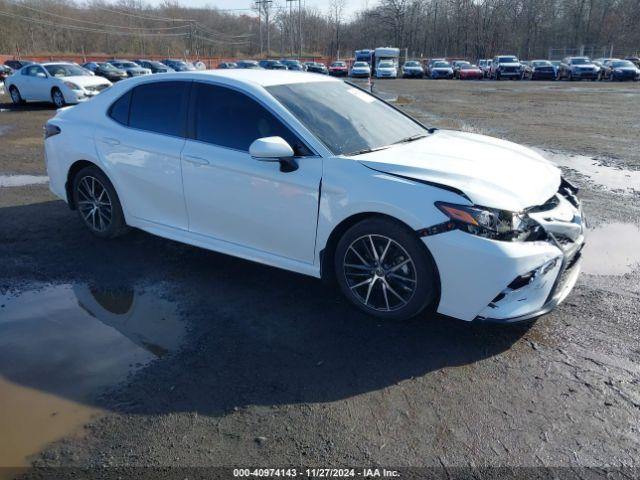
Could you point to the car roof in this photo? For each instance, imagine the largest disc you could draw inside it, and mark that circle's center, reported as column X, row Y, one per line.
column 57, row 63
column 263, row 78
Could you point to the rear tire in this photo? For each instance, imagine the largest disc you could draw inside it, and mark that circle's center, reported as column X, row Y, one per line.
column 383, row 268
column 98, row 204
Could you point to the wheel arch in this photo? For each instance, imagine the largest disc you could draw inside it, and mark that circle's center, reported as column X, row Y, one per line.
column 327, row 272
column 72, row 172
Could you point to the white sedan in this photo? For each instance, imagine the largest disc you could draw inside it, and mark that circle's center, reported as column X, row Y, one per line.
column 59, row 83
column 316, row 176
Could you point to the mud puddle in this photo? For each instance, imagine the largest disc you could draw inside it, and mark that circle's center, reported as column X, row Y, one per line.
column 22, row 180
column 61, row 347
column 597, row 172
column 612, row 249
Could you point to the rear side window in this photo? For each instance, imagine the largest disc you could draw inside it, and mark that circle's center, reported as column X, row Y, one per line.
column 119, row 111
column 159, row 107
column 231, row 119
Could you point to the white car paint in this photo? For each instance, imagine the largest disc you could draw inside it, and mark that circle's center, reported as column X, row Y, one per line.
column 360, row 69
column 386, row 69
column 35, row 83
column 218, row 198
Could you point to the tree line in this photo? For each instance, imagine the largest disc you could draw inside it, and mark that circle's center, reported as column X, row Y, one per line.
column 422, row 28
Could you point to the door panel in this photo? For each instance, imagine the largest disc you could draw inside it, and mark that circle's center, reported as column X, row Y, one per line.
column 146, row 170
column 141, row 148
column 233, row 197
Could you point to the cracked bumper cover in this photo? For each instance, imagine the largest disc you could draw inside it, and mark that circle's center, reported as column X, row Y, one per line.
column 496, row 281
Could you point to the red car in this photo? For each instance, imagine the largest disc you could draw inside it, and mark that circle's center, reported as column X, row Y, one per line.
column 470, row 72
column 338, row 69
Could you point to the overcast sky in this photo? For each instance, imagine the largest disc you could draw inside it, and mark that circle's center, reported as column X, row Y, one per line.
column 351, row 5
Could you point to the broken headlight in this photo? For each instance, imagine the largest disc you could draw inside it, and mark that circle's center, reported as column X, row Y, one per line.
column 490, row 222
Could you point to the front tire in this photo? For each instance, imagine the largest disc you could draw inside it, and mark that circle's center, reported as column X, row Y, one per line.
column 98, row 204
column 384, row 269
column 58, row 98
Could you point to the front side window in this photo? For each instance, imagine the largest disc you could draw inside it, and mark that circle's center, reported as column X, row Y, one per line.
column 159, row 107
column 231, row 119
column 346, row 119
column 33, row 70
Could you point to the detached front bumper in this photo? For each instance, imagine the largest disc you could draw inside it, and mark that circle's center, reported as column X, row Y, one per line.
column 505, row 282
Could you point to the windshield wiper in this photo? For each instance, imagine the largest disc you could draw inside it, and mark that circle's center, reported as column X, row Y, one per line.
column 412, row 138
column 367, row 150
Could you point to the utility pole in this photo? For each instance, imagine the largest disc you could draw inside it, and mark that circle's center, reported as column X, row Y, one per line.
column 291, row 35
column 300, row 29
column 266, row 7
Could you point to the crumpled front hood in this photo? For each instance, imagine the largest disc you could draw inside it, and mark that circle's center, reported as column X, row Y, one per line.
column 491, row 172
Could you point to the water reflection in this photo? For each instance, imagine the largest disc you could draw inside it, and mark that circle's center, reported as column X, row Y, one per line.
column 61, row 346
column 612, row 249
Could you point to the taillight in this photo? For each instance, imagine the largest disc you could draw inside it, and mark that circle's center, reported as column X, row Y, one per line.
column 50, row 130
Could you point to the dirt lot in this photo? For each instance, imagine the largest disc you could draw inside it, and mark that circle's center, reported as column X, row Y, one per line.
column 175, row 356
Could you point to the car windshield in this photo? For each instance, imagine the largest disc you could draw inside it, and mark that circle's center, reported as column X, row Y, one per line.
column 338, row 64
column 107, row 66
column 622, row 63
column 412, row 64
column 346, row 119
column 441, row 65
column 66, row 70
column 468, row 67
column 579, row 61
column 541, row 63
column 157, row 65
column 507, row 60
column 361, row 64
column 128, row 65
column 385, row 64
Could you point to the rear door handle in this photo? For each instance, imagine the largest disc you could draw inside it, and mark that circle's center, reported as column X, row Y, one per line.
column 196, row 160
column 110, row 141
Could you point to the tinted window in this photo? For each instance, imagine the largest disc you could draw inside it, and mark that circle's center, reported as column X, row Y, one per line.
column 159, row 107
column 119, row 111
column 231, row 119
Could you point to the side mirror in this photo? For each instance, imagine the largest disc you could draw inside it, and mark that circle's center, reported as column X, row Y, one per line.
column 41, row 75
column 274, row 149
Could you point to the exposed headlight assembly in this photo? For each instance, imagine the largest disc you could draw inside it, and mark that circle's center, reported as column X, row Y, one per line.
column 491, row 223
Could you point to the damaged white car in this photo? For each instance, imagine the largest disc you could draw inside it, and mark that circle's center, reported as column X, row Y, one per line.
column 316, row 176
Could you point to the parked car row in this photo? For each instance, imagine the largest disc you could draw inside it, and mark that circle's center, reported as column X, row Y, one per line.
column 283, row 64
column 504, row 67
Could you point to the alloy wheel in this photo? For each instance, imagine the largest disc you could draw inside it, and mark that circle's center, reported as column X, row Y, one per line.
column 380, row 273
column 15, row 95
column 58, row 98
column 94, row 204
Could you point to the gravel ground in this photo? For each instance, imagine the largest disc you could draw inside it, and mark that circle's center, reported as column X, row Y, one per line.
column 276, row 369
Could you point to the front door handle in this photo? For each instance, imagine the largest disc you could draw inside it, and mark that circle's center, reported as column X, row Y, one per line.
column 110, row 141
column 196, row 160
